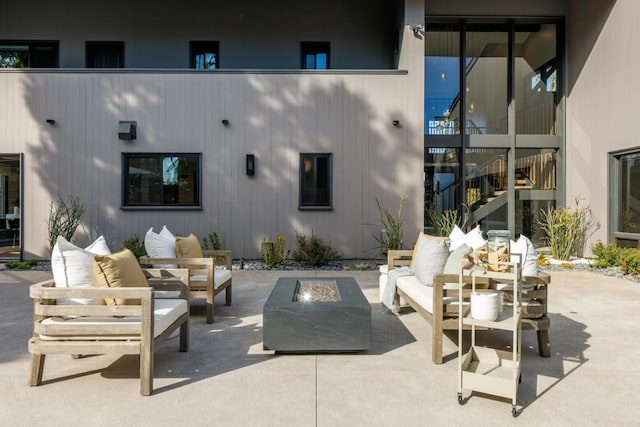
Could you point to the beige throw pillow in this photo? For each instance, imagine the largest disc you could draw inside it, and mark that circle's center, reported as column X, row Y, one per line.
column 118, row 270
column 430, row 259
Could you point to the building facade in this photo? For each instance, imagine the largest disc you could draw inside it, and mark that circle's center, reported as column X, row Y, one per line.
column 254, row 119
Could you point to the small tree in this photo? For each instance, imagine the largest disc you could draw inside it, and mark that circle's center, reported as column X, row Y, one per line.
column 64, row 219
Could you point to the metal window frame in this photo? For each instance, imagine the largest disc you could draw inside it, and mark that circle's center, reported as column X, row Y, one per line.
column 315, row 206
column 163, row 207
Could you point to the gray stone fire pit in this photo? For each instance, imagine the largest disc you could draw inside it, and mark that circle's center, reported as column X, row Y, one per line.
column 316, row 315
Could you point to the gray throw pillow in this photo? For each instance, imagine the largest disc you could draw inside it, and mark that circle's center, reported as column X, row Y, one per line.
column 430, row 259
column 454, row 262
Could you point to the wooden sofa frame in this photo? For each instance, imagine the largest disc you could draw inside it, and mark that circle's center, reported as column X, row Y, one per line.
column 445, row 317
column 111, row 338
column 206, row 267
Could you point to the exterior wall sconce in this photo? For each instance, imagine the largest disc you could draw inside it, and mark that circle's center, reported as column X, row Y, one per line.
column 225, row 122
column 251, row 165
column 51, row 122
column 127, row 130
column 396, row 123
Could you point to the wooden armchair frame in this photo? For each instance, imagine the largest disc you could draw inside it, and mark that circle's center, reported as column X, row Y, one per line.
column 132, row 337
column 202, row 271
column 445, row 317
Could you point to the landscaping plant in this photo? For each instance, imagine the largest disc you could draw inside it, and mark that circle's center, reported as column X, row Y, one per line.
column 391, row 226
column 20, row 265
column 211, row 242
column 568, row 229
column 136, row 246
column 64, row 219
column 273, row 252
column 443, row 222
column 314, row 250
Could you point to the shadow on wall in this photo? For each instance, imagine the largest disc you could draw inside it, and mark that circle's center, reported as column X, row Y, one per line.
column 273, row 116
column 585, row 21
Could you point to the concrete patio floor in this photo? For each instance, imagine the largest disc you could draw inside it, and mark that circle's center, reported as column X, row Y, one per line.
column 226, row 379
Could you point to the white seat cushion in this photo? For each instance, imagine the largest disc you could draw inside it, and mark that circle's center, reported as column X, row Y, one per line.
column 166, row 312
column 220, row 276
column 421, row 294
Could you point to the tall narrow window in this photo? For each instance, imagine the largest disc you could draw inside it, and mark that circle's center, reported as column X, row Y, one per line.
column 315, row 181
column 105, row 54
column 161, row 180
column 30, row 54
column 315, row 55
column 204, row 55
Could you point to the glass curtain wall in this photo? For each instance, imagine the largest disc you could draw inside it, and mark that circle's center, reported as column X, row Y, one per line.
column 492, row 94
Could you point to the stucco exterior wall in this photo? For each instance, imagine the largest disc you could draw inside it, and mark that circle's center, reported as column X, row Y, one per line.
column 603, row 62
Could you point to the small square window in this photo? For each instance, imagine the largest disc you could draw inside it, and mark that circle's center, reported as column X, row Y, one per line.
column 161, row 180
column 315, row 181
column 204, row 55
column 105, row 54
column 315, row 55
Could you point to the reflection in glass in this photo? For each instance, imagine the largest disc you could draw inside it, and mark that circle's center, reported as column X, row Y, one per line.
column 535, row 185
column 486, row 185
column 156, row 179
column 442, row 80
column 536, row 74
column 486, row 89
column 441, row 182
column 629, row 193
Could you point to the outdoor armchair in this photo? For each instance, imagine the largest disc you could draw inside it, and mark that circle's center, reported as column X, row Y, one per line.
column 62, row 326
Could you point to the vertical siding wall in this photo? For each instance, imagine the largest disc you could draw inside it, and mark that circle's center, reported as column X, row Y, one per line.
column 275, row 116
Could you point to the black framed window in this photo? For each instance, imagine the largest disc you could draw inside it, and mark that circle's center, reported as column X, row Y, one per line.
column 28, row 54
column 624, row 188
column 315, row 181
column 315, row 55
column 104, row 54
column 204, row 55
column 161, row 180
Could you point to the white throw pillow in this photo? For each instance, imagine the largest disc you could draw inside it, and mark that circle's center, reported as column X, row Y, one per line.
column 72, row 267
column 430, row 260
column 473, row 238
column 160, row 245
column 528, row 255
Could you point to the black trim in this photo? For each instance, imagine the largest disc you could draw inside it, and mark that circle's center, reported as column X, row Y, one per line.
column 125, row 204
column 91, row 48
column 197, row 47
column 316, row 206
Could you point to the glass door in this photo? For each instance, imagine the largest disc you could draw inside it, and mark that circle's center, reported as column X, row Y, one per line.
column 10, row 213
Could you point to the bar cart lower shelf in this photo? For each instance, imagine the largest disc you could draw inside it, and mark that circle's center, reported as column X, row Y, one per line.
column 490, row 371
column 485, row 369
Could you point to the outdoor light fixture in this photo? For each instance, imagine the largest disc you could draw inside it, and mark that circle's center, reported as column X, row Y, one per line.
column 225, row 122
column 51, row 122
column 251, row 165
column 127, row 130
column 396, row 123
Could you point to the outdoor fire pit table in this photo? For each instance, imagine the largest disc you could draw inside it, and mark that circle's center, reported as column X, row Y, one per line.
column 305, row 315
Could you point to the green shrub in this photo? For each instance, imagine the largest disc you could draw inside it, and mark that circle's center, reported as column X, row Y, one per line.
column 630, row 260
column 568, row 229
column 64, row 219
column 315, row 251
column 21, row 265
column 273, row 252
column 212, row 241
column 606, row 256
column 136, row 246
